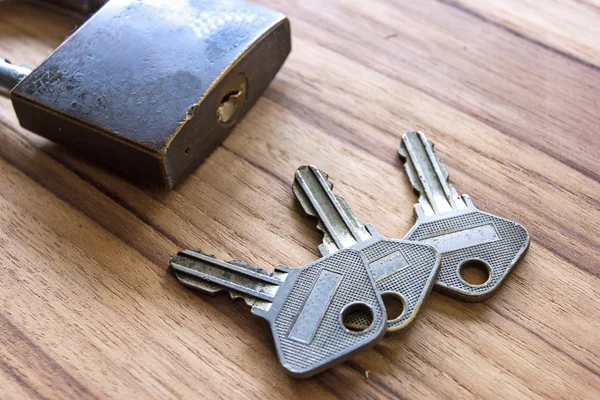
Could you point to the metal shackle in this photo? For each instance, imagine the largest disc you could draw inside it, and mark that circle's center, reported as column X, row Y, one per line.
column 11, row 74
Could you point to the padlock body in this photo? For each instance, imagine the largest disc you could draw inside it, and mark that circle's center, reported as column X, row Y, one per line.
column 141, row 86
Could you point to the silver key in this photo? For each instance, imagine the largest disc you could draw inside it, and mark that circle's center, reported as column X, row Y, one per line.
column 404, row 271
column 466, row 237
column 307, row 308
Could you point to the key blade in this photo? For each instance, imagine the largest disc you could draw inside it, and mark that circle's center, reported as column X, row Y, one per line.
column 340, row 227
column 214, row 275
column 428, row 175
column 308, row 305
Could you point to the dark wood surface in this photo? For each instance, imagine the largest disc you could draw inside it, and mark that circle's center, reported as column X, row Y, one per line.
column 508, row 90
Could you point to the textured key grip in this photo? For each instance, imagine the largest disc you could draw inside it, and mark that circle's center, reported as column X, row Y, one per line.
column 306, row 316
column 472, row 235
column 405, row 269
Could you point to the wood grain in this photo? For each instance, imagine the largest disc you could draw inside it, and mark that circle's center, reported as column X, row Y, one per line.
column 567, row 26
column 508, row 91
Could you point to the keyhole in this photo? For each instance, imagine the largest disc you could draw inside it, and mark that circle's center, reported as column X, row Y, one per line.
column 228, row 106
column 231, row 104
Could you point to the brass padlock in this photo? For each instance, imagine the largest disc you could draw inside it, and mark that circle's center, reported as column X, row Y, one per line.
column 151, row 87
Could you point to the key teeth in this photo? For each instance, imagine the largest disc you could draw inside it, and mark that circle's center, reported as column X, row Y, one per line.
column 250, row 302
column 414, row 181
column 321, row 228
column 402, row 152
column 303, row 200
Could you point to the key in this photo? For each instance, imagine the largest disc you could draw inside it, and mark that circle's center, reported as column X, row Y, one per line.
column 468, row 239
column 404, row 271
column 307, row 308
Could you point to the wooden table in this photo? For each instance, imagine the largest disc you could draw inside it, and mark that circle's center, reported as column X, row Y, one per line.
column 508, row 90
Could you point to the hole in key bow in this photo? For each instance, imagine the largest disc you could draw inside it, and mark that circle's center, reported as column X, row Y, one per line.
column 394, row 305
column 475, row 272
column 357, row 317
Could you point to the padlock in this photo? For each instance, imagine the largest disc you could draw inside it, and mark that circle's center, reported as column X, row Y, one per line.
column 151, row 87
